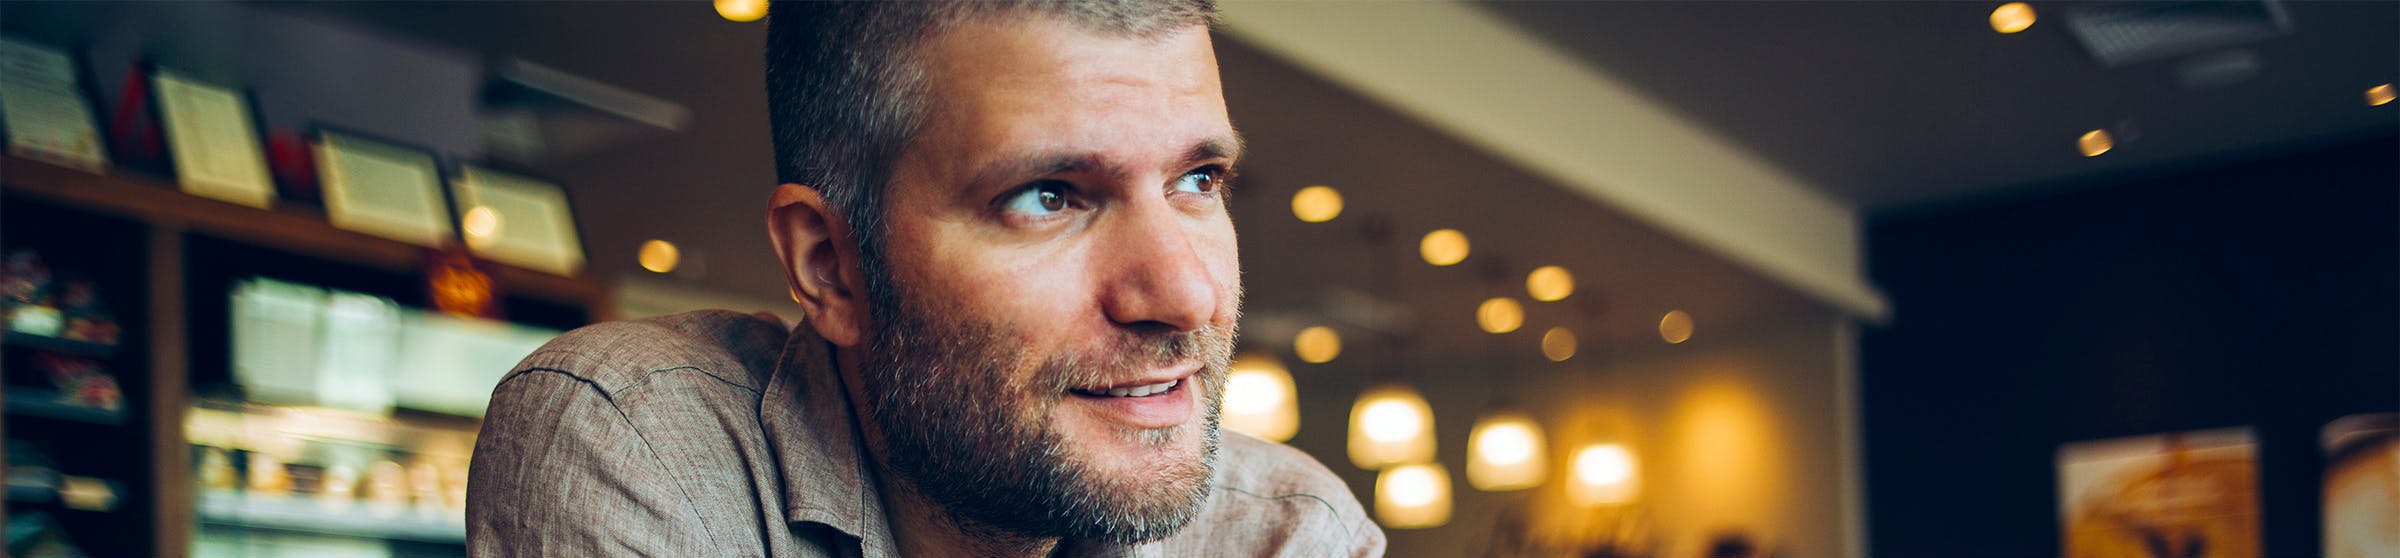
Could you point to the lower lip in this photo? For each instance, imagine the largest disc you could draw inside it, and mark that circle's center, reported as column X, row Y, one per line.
column 1155, row 411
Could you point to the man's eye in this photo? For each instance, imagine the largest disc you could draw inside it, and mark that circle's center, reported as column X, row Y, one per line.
column 1037, row 199
column 1201, row 181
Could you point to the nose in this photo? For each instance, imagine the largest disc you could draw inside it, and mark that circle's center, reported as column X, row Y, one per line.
column 1154, row 275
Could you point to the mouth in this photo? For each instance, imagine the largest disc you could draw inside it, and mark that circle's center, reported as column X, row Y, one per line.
column 1146, row 403
column 1143, row 390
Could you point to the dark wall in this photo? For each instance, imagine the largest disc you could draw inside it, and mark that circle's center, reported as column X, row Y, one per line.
column 2262, row 293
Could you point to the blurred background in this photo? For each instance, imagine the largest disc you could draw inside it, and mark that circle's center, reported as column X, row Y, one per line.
column 1591, row 279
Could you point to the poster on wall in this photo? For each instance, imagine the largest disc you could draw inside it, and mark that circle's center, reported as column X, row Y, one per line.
column 2362, row 486
column 2180, row 495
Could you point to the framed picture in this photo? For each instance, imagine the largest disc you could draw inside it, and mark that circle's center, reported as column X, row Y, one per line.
column 44, row 107
column 519, row 220
column 212, row 136
column 2192, row 494
column 382, row 188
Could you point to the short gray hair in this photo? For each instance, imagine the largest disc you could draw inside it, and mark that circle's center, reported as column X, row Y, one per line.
column 844, row 95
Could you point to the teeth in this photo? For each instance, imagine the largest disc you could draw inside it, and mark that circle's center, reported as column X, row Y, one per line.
column 1144, row 391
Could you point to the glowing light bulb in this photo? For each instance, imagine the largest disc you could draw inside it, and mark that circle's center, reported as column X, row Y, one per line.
column 1414, row 496
column 1317, row 204
column 742, row 10
column 1549, row 283
column 1604, row 474
column 1505, row 451
column 1500, row 315
column 659, row 256
column 1317, row 344
column 1260, row 400
column 2012, row 17
column 2380, row 95
column 1390, row 425
column 1675, row 327
column 1443, row 247
column 1558, row 344
column 2095, row 142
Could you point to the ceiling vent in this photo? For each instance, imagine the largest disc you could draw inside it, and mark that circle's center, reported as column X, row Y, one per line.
column 2122, row 33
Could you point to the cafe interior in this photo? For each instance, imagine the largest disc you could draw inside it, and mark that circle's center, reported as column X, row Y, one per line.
column 1557, row 279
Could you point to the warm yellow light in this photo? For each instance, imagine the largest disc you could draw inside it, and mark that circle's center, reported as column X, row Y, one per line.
column 660, row 256
column 481, row 224
column 1558, row 344
column 2012, row 17
column 2095, row 142
column 742, row 10
column 2379, row 95
column 1604, row 474
column 1317, row 344
column 1506, row 452
column 1317, row 204
column 1500, row 315
column 1443, row 247
column 1260, row 400
column 1413, row 496
column 1675, row 327
column 1549, row 283
column 1390, row 425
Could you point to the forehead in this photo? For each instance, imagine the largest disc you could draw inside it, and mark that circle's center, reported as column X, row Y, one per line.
column 1013, row 84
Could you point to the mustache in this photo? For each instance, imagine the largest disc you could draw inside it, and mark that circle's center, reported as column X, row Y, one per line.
column 1211, row 345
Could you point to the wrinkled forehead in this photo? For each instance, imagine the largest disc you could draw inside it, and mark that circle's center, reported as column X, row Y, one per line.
column 1001, row 86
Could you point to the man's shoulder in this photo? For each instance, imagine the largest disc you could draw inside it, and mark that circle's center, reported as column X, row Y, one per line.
column 733, row 347
column 1276, row 495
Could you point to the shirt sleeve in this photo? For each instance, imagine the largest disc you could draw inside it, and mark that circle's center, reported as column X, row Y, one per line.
column 559, row 471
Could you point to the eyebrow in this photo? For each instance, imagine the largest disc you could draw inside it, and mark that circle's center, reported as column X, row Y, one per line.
column 1227, row 147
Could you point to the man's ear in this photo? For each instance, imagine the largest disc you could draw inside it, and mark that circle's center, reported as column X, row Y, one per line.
column 820, row 263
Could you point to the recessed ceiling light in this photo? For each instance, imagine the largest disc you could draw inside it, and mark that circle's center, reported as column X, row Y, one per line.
column 2095, row 142
column 1317, row 204
column 1317, row 344
column 660, row 256
column 1550, row 283
column 1675, row 327
column 2012, row 17
column 1558, row 344
column 742, row 10
column 2379, row 95
column 1500, row 314
column 1443, row 247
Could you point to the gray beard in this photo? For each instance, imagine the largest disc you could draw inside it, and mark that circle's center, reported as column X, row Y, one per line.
column 972, row 433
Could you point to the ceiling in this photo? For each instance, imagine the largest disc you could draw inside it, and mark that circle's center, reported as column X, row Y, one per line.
column 1886, row 105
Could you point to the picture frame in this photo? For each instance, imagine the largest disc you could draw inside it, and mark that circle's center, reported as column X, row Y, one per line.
column 212, row 138
column 382, row 187
column 46, row 105
column 517, row 219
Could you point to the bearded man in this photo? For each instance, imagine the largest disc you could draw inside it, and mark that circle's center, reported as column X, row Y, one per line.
column 1005, row 224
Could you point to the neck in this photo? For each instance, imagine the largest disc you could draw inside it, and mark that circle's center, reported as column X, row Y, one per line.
column 920, row 526
column 923, row 528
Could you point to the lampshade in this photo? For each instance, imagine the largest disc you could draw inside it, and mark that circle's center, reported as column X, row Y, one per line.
column 1605, row 474
column 1506, row 452
column 1413, row 496
column 1390, row 425
column 1260, row 400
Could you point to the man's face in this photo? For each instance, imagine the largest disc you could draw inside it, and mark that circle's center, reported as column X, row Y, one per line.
column 1051, row 340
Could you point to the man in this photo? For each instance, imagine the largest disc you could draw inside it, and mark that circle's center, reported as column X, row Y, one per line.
column 1005, row 223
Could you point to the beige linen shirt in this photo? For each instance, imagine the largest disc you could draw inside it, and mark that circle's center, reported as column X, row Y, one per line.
column 717, row 433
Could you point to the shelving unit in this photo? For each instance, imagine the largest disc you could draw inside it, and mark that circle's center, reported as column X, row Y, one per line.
column 167, row 257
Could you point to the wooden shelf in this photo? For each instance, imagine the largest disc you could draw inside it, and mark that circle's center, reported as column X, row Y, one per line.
column 286, row 228
column 58, row 345
column 47, row 405
column 310, row 515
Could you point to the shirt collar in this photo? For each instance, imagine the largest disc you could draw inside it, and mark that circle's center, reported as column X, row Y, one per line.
column 826, row 475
